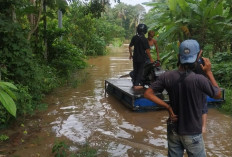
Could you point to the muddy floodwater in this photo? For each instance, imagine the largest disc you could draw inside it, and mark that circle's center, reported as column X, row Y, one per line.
column 79, row 115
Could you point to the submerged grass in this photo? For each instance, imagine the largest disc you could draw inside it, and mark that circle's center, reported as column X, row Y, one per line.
column 61, row 149
column 79, row 77
column 227, row 105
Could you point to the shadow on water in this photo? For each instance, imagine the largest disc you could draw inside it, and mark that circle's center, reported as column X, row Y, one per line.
column 84, row 114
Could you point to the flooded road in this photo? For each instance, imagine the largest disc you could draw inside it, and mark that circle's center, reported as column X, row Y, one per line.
column 84, row 115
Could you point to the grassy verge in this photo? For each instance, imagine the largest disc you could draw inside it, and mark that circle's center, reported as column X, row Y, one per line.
column 227, row 105
column 61, row 149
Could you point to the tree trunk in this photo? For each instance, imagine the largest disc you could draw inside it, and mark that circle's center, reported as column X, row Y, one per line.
column 31, row 17
column 37, row 22
column 60, row 20
column 13, row 14
column 45, row 30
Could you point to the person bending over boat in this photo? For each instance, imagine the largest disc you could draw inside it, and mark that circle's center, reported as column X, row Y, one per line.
column 141, row 48
column 187, row 92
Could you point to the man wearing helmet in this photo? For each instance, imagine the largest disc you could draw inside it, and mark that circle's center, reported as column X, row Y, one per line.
column 141, row 48
column 187, row 92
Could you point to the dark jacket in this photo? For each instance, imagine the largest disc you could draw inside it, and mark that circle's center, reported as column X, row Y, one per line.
column 140, row 44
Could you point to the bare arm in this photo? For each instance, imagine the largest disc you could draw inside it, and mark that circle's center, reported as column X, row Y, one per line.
column 149, row 94
column 130, row 51
column 207, row 69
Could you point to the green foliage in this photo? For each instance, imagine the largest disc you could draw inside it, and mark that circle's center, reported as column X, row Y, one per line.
column 169, row 57
column 60, row 149
column 37, row 67
column 109, row 30
column 3, row 138
column 7, row 97
column 24, row 101
column 127, row 17
column 4, row 116
column 53, row 36
column 117, row 42
column 46, row 79
column 222, row 68
column 19, row 64
column 81, row 28
column 97, row 46
column 209, row 22
column 227, row 106
column 95, row 8
column 16, row 54
column 205, row 21
column 87, row 151
column 88, row 33
column 66, row 58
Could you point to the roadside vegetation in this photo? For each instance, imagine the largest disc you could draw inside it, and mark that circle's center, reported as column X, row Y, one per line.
column 39, row 50
column 207, row 21
column 39, row 53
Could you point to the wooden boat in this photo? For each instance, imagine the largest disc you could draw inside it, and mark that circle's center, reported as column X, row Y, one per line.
column 121, row 88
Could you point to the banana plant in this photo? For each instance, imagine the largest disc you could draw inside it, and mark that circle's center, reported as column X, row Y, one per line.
column 7, row 97
column 208, row 21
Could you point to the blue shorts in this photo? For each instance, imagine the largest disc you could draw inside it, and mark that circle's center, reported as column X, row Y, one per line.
column 193, row 144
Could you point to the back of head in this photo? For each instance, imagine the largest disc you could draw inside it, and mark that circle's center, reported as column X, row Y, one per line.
column 142, row 29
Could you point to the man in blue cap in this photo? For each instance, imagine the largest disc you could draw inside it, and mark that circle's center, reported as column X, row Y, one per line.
column 187, row 92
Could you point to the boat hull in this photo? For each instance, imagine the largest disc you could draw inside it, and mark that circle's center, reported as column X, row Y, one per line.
column 122, row 89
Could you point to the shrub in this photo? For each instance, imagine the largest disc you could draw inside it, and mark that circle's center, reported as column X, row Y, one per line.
column 66, row 58
column 227, row 106
column 222, row 68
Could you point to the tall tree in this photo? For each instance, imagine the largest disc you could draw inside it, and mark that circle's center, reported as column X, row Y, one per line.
column 128, row 17
column 137, row 16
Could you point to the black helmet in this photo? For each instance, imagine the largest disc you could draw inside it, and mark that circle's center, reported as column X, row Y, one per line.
column 142, row 28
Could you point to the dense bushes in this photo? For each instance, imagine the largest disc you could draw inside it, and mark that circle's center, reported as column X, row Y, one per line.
column 19, row 65
column 42, row 62
column 222, row 67
column 66, row 58
column 89, row 33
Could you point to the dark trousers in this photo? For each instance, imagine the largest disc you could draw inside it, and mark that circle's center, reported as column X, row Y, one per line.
column 137, row 73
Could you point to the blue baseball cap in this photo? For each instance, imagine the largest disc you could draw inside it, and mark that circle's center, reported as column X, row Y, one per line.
column 188, row 51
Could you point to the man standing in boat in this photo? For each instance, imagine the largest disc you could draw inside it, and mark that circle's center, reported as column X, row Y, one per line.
column 141, row 48
column 186, row 91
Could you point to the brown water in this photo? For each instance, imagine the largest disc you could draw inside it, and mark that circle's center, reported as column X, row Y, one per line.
column 84, row 114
